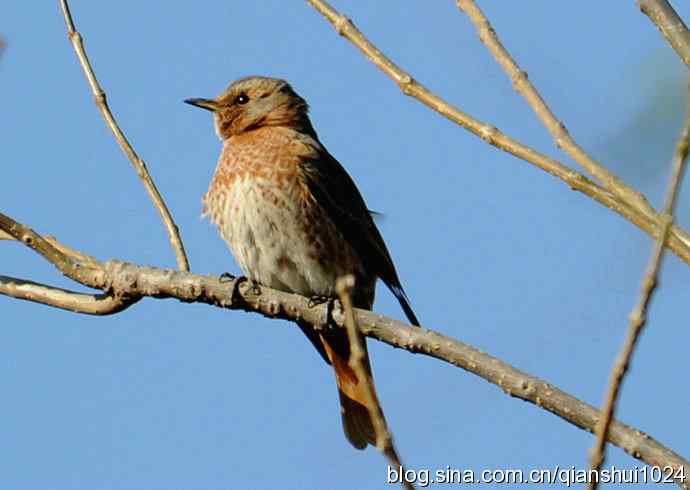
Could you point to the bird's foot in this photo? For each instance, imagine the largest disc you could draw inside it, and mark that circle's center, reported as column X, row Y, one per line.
column 226, row 277
column 317, row 300
column 254, row 286
column 237, row 282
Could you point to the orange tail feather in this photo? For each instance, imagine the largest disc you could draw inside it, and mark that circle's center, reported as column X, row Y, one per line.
column 357, row 423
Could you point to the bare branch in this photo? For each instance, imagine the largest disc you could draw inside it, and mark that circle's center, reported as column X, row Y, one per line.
column 122, row 280
column 90, row 304
column 661, row 13
column 78, row 266
column 679, row 240
column 139, row 165
column 558, row 131
column 638, row 317
column 384, row 439
column 72, row 254
column 72, row 269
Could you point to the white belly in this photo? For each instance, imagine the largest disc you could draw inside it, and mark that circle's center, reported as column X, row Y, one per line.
column 266, row 233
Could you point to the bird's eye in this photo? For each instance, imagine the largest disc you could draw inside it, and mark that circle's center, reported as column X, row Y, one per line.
column 241, row 99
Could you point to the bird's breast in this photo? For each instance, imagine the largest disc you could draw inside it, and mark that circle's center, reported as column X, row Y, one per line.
column 279, row 235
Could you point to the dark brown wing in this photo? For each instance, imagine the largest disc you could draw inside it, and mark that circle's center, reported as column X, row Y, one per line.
column 334, row 189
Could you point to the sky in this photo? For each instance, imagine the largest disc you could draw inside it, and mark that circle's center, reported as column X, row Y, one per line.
column 491, row 250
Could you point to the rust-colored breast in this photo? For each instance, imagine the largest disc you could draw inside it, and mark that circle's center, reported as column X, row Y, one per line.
column 263, row 155
column 279, row 234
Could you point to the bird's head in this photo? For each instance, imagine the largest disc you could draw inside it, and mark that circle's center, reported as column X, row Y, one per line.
column 254, row 102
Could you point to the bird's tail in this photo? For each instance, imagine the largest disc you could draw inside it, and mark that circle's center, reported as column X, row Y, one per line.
column 357, row 423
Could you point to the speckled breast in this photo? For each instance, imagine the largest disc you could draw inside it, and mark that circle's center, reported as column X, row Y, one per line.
column 279, row 235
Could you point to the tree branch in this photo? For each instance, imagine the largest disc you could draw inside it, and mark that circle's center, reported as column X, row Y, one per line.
column 661, row 13
column 131, row 282
column 90, row 304
column 679, row 240
column 139, row 165
column 556, row 128
column 79, row 267
column 52, row 254
column 384, row 438
column 638, row 317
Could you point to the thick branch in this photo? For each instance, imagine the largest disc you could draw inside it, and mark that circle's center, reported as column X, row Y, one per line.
column 123, row 280
column 679, row 241
column 670, row 24
column 138, row 164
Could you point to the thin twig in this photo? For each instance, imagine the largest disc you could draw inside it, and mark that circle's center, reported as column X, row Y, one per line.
column 90, row 304
column 79, row 272
column 638, row 317
column 556, row 128
column 661, row 13
column 74, row 255
column 679, row 240
column 139, row 165
column 384, row 439
column 76, row 265
column 132, row 281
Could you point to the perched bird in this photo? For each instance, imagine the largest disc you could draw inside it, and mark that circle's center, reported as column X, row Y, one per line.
column 295, row 220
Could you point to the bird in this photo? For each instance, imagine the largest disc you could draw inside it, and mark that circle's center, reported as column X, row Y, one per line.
column 295, row 221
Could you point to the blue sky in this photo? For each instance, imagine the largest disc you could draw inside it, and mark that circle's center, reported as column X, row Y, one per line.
column 491, row 250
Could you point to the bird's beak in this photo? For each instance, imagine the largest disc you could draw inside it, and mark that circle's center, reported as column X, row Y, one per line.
column 208, row 104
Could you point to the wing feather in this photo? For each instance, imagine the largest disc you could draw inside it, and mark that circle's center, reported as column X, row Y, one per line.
column 334, row 189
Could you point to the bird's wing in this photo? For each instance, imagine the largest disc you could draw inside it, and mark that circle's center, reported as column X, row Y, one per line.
column 334, row 189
